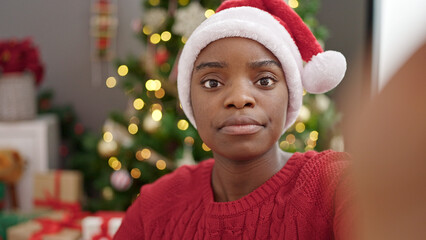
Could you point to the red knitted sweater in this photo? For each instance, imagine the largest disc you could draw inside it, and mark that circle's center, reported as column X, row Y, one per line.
column 305, row 200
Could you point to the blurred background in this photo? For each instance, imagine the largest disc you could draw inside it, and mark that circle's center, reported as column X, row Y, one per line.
column 90, row 87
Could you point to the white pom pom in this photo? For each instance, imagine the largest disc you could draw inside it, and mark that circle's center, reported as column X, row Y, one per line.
column 324, row 72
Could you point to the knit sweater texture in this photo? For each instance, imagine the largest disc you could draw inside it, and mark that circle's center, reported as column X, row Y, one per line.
column 306, row 199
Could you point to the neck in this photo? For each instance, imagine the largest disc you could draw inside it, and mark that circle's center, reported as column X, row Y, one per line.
column 232, row 180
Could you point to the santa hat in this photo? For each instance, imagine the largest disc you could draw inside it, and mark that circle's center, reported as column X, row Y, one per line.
column 276, row 26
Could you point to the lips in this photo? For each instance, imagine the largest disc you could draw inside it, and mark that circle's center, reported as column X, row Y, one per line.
column 240, row 125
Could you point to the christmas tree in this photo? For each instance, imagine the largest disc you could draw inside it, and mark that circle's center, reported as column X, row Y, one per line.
column 152, row 136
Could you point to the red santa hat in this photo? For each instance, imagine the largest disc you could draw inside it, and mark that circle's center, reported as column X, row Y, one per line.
column 276, row 26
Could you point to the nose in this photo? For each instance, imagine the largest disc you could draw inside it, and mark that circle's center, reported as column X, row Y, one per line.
column 239, row 95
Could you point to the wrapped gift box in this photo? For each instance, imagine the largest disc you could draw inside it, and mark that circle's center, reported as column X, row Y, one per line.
column 102, row 224
column 11, row 218
column 58, row 189
column 53, row 226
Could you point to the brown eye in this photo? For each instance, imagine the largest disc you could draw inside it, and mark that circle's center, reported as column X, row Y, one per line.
column 266, row 82
column 211, row 83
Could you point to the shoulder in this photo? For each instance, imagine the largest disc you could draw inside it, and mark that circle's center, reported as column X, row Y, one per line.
column 320, row 177
column 178, row 184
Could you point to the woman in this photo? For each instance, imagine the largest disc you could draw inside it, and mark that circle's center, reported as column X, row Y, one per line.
column 240, row 82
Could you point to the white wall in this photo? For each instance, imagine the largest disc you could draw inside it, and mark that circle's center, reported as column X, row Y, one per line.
column 399, row 29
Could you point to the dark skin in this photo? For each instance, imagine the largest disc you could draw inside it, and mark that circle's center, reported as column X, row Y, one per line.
column 239, row 98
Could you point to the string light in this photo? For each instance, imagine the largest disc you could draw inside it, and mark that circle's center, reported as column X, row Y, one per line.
column 146, row 30
column 108, row 137
column 134, row 120
column 189, row 141
column 116, row 165
column 154, row 2
column 155, row 38
column 139, row 156
column 156, row 106
column 153, row 85
column 183, row 2
column 160, row 93
column 184, row 39
column 111, row 82
column 205, row 147
column 208, row 13
column 304, row 92
column 157, row 115
column 291, row 139
column 314, row 135
column 304, row 114
column 138, row 104
column 111, row 160
column 135, row 173
column 133, row 128
column 160, row 164
column 300, row 127
column 145, row 153
column 183, row 124
column 284, row 145
column 122, row 70
column 166, row 36
column 293, row 3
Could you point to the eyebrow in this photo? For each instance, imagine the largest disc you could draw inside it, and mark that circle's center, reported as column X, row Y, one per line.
column 211, row 65
column 264, row 63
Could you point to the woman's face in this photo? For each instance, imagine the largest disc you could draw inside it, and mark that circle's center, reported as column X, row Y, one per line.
column 239, row 98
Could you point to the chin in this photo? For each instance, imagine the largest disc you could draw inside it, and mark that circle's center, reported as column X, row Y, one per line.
column 241, row 152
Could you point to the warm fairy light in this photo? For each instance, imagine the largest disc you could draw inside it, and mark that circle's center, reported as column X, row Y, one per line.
column 205, row 147
column 183, row 2
column 160, row 93
column 184, row 39
column 157, row 115
column 122, row 70
column 314, row 135
column 135, row 173
column 209, row 13
column 153, row 85
column 156, row 106
column 304, row 92
column 293, row 3
column 111, row 160
column 290, row 139
column 116, row 165
column 183, row 124
column 154, row 2
column 311, row 143
column 133, row 128
column 155, row 38
column 304, row 114
column 300, row 127
column 138, row 104
column 146, row 30
column 145, row 153
column 189, row 141
column 111, row 82
column 166, row 36
column 139, row 156
column 284, row 145
column 161, row 164
column 108, row 137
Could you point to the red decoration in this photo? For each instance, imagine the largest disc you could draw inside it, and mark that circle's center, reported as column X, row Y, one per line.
column 78, row 129
column 161, row 56
column 20, row 56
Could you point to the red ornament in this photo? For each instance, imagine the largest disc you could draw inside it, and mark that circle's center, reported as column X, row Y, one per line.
column 161, row 56
column 78, row 129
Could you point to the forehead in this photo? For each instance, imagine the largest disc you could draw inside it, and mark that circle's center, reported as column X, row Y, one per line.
column 235, row 47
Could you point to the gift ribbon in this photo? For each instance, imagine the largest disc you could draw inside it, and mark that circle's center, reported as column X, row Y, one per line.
column 50, row 226
column 106, row 217
column 54, row 201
